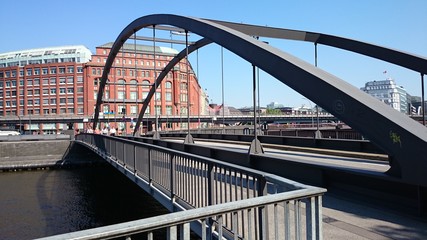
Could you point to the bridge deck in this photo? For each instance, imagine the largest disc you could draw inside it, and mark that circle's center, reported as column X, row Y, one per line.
column 345, row 218
column 356, row 163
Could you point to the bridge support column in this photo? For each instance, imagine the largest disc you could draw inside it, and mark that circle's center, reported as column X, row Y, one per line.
column 188, row 139
column 256, row 147
column 156, row 135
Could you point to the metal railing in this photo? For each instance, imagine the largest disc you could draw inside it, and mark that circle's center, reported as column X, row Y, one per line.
column 221, row 200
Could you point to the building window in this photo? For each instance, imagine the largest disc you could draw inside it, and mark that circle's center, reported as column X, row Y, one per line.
column 183, row 97
column 70, row 100
column 168, row 96
column 168, row 85
column 133, row 109
column 168, row 110
column 45, row 71
column 52, row 81
column 29, row 71
column 36, row 71
column 79, row 69
column 158, row 96
column 53, row 70
column 53, row 101
column 61, row 80
column 70, row 69
column 70, row 90
column 144, row 95
column 145, row 84
column 120, row 94
column 62, row 90
column 61, row 70
column 133, row 95
column 158, row 109
column 62, row 101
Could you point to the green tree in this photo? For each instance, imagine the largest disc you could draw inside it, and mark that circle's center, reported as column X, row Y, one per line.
column 274, row 111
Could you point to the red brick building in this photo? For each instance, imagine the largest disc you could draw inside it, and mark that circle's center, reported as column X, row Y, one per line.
column 130, row 80
column 64, row 81
column 43, row 82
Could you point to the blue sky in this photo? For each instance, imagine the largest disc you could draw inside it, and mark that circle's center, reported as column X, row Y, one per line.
column 398, row 24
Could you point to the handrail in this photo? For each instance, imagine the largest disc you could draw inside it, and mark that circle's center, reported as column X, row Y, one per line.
column 184, row 181
column 178, row 218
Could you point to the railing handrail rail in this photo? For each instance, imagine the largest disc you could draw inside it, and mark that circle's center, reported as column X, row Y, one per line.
column 176, row 218
column 265, row 175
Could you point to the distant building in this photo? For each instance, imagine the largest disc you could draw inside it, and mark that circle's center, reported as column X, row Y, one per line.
column 43, row 81
column 388, row 92
column 274, row 105
column 131, row 77
column 65, row 80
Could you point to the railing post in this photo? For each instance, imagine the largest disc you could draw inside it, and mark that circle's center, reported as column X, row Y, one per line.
column 263, row 211
column 172, row 178
column 211, row 179
column 149, row 167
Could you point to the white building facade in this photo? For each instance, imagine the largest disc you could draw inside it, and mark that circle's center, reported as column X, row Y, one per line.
column 388, row 92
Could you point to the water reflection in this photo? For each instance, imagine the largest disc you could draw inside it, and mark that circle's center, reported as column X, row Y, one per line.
column 43, row 203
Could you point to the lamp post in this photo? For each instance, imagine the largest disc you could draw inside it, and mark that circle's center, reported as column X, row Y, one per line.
column 317, row 134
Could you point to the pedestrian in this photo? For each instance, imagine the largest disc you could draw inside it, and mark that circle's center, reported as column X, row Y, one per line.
column 112, row 132
column 105, row 131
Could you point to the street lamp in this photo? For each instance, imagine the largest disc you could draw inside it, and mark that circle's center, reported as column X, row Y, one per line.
column 317, row 134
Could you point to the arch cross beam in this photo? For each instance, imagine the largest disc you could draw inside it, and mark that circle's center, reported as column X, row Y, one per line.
column 402, row 138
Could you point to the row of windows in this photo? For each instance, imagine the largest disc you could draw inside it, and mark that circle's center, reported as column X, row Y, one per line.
column 42, row 71
column 145, row 83
column 140, row 55
column 133, row 96
column 129, row 72
column 45, row 81
column 45, row 111
column 36, row 92
column 134, row 109
column 36, row 102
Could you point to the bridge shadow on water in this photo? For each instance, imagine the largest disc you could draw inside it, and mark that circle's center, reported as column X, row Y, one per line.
column 97, row 196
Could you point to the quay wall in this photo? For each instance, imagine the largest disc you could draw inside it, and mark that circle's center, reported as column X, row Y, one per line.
column 17, row 155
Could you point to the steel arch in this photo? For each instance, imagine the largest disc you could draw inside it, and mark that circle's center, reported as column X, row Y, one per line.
column 402, row 138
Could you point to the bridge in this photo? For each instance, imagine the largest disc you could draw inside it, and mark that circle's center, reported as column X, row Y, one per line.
column 237, row 190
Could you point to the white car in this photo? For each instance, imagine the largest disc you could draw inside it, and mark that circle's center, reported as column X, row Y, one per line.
column 9, row 133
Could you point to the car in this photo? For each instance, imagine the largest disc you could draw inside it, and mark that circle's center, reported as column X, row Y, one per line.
column 9, row 133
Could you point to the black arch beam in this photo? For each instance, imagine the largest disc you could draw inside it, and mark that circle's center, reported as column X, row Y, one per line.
column 201, row 43
column 407, row 60
column 402, row 138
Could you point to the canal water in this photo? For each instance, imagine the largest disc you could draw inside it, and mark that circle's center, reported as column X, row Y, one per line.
column 47, row 202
